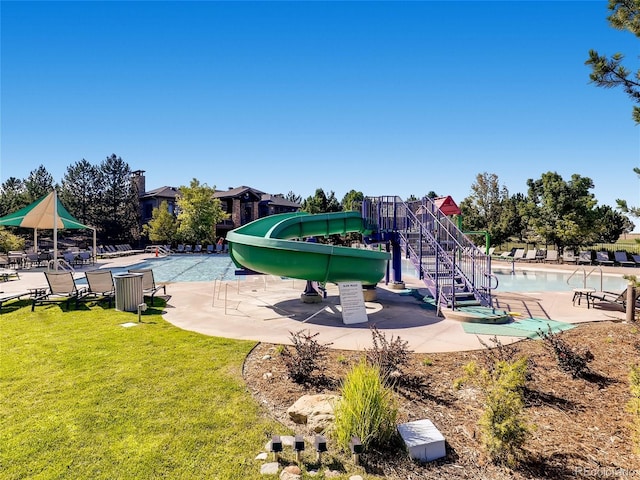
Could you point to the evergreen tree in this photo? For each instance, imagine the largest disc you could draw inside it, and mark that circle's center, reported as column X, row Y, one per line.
column 609, row 72
column 79, row 191
column 38, row 184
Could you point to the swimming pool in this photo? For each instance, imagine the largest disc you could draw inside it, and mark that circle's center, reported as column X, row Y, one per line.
column 206, row 268
column 554, row 281
column 543, row 280
column 188, row 268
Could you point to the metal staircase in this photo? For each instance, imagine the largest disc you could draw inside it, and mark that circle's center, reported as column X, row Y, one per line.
column 454, row 270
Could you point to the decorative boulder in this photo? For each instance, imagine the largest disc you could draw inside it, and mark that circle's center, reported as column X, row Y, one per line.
column 316, row 411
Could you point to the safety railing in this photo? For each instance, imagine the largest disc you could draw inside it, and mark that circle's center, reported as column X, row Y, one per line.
column 439, row 250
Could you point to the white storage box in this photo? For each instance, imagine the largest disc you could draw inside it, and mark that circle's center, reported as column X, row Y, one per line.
column 423, row 440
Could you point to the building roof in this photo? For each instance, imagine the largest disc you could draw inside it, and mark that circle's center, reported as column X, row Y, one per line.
column 279, row 200
column 238, row 192
column 447, row 205
column 162, row 192
column 258, row 195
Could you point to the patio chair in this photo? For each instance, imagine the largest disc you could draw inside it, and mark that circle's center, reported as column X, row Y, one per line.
column 180, row 248
column 602, row 258
column 584, row 257
column 519, row 254
column 210, row 248
column 12, row 296
column 7, row 273
column 149, row 287
column 188, row 249
column 197, row 249
column 551, row 256
column 100, row 285
column 621, row 258
column 569, row 256
column 62, row 288
column 506, row 255
column 530, row 256
column 610, row 298
column 636, row 258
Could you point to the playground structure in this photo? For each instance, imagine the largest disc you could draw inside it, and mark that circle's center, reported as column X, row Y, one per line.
column 455, row 272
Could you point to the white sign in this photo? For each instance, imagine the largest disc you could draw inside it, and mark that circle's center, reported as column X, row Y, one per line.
column 352, row 302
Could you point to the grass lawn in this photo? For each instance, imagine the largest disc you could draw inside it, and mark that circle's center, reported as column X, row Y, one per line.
column 83, row 397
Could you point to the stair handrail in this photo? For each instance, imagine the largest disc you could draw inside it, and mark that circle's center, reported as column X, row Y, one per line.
column 393, row 214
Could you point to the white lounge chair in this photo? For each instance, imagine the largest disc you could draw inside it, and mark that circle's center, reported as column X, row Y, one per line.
column 551, row 256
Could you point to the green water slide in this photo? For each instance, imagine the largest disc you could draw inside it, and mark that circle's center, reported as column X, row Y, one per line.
column 274, row 245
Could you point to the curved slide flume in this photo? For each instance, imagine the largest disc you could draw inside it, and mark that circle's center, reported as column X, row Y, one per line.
column 273, row 245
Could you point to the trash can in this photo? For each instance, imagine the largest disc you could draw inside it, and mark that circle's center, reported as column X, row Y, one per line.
column 128, row 291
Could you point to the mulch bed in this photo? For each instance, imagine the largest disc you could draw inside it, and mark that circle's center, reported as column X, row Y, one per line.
column 579, row 426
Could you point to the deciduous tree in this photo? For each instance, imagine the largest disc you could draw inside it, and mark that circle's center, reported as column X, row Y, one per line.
column 198, row 213
column 162, row 227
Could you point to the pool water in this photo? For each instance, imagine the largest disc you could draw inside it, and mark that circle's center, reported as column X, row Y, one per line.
column 554, row 281
column 188, row 268
column 206, row 268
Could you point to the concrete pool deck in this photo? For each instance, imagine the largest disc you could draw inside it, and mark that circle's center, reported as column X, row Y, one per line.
column 268, row 309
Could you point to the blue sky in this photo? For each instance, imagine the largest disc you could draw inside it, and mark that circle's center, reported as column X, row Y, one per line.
column 389, row 98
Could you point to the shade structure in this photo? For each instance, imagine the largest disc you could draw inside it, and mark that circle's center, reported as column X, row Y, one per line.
column 46, row 213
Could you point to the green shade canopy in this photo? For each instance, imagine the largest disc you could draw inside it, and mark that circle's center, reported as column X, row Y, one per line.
column 46, row 213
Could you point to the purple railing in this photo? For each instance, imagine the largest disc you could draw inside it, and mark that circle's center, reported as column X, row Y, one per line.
column 445, row 259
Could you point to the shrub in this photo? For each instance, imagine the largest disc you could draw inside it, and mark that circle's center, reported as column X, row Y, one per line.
column 633, row 406
column 502, row 425
column 571, row 360
column 367, row 408
column 307, row 356
column 388, row 356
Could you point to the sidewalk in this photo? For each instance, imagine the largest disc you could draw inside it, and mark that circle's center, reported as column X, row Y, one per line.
column 268, row 309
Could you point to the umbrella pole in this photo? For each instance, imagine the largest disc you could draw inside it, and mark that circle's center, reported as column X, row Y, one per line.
column 55, row 229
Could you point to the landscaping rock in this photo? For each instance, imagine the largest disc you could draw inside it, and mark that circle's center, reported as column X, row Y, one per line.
column 314, row 410
column 292, row 472
column 270, row 468
column 262, row 456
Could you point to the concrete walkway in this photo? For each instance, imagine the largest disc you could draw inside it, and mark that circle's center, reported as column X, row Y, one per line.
column 268, row 309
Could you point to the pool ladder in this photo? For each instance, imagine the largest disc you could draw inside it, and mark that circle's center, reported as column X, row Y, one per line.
column 585, row 276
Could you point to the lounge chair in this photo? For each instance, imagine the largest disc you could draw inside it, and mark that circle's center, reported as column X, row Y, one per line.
column 611, row 298
column 584, row 257
column 622, row 259
column 100, row 285
column 13, row 296
column 519, row 254
column 530, row 256
column 636, row 258
column 505, row 255
column 149, row 287
column 197, row 249
column 62, row 288
column 210, row 248
column 7, row 273
column 602, row 258
column 569, row 256
column 551, row 256
column 188, row 249
column 180, row 249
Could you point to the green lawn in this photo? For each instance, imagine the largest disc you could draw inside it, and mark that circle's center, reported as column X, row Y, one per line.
column 83, row 397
